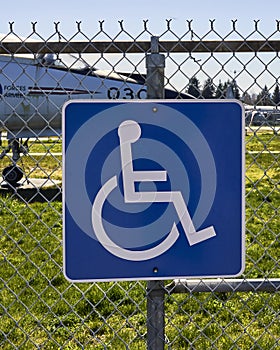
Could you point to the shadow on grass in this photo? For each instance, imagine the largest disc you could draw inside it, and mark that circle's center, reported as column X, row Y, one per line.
column 32, row 195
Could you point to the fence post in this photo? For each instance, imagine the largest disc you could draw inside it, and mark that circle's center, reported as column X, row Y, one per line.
column 155, row 64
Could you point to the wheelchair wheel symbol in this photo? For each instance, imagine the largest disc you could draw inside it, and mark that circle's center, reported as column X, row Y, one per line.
column 129, row 132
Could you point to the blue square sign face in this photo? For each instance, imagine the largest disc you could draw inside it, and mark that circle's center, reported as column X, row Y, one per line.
column 153, row 189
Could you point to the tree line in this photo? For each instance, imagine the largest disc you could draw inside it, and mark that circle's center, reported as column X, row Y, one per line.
column 230, row 89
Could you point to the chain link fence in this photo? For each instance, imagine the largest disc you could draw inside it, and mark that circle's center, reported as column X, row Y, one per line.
column 39, row 307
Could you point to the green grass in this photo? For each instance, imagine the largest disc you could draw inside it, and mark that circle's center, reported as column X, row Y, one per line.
column 39, row 308
column 262, row 140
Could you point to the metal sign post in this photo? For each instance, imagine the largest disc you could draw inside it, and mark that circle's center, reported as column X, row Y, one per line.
column 155, row 64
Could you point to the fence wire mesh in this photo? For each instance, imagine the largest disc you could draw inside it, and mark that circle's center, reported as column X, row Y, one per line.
column 39, row 307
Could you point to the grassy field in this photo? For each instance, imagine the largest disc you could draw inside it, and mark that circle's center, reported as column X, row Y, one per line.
column 40, row 309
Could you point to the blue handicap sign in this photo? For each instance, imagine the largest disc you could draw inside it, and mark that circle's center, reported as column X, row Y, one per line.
column 153, row 189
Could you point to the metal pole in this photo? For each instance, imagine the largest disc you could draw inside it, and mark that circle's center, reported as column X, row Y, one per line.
column 155, row 315
column 155, row 64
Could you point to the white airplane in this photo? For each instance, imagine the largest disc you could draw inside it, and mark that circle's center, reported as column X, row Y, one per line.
column 33, row 91
column 262, row 116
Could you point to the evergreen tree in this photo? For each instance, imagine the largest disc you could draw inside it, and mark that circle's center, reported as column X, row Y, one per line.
column 264, row 97
column 229, row 93
column 220, row 92
column 276, row 96
column 208, row 89
column 235, row 90
column 193, row 88
column 226, row 86
column 247, row 98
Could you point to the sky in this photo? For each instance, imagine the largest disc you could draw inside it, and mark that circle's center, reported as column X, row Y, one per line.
column 89, row 13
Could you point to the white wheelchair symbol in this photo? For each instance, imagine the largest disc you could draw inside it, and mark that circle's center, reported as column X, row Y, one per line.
column 129, row 132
